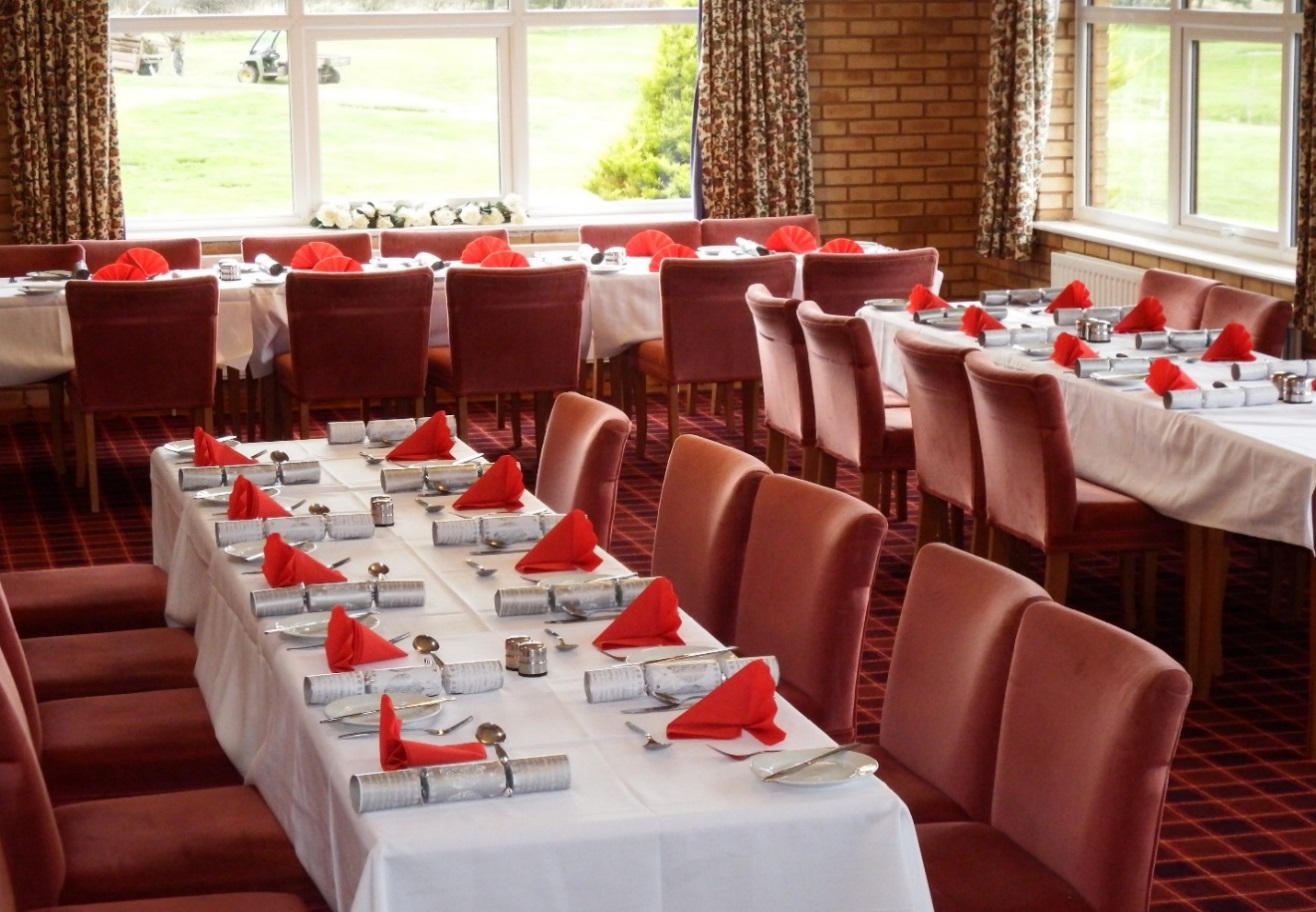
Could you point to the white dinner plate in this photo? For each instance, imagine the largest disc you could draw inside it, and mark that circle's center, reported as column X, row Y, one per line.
column 253, row 552
column 266, row 280
column 220, row 495
column 890, row 305
column 650, row 653
column 563, row 577
column 53, row 275
column 874, row 247
column 1038, row 354
column 409, row 715
column 314, row 625
column 41, row 286
column 1112, row 378
column 719, row 250
column 188, row 448
column 831, row 770
column 607, row 269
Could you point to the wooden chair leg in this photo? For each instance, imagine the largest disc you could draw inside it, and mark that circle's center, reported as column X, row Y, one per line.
column 55, row 406
column 515, row 410
column 931, row 517
column 93, row 474
column 776, row 451
column 543, row 405
column 748, row 397
column 1128, row 562
column 638, row 382
column 810, row 465
column 1056, row 580
column 674, row 413
column 873, row 490
column 304, row 419
column 204, row 418
column 900, row 480
column 79, row 449
column 826, row 469
column 1000, row 546
column 954, row 526
column 978, row 541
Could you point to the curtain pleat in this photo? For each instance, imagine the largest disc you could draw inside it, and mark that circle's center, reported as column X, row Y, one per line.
column 1304, row 316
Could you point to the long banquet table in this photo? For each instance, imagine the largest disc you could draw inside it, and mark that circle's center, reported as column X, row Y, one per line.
column 677, row 829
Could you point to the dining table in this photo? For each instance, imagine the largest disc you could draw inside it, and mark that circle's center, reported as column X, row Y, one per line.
column 678, row 828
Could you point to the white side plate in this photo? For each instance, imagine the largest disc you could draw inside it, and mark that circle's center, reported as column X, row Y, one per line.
column 831, row 770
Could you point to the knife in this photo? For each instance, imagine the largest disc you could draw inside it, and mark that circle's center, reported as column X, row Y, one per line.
column 686, row 655
column 503, row 550
column 675, row 707
column 375, row 712
column 354, row 615
column 796, row 767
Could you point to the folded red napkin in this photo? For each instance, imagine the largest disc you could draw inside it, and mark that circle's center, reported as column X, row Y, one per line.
column 1233, row 344
column 746, row 701
column 1165, row 375
column 976, row 320
column 248, row 501
column 1147, row 316
column 677, row 251
column 840, row 245
column 481, row 247
column 350, row 643
column 922, row 298
column 287, row 566
column 650, row 620
column 207, row 451
column 396, row 754
column 308, row 255
column 500, row 487
column 1069, row 348
column 337, row 264
column 791, row 239
column 144, row 258
column 119, row 272
column 432, row 440
column 647, row 243
column 504, row 259
column 1074, row 295
column 567, row 546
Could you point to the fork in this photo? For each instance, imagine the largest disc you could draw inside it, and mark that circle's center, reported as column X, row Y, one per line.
column 741, row 756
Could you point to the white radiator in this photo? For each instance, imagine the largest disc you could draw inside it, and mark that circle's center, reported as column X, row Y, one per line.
column 1111, row 284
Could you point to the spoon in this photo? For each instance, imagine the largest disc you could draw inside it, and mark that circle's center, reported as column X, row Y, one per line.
column 651, row 743
column 560, row 643
column 318, row 509
column 371, row 460
column 431, row 507
column 377, row 570
column 439, row 487
column 428, row 646
column 278, row 456
column 489, row 734
column 496, row 543
column 480, row 569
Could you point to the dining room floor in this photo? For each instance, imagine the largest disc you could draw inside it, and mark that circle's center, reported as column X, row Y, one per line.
column 1240, row 821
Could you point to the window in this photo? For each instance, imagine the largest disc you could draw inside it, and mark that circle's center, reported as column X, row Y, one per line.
column 579, row 106
column 1186, row 118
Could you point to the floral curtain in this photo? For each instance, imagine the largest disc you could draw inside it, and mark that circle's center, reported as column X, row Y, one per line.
column 752, row 109
column 1018, row 105
column 1304, row 306
column 60, row 106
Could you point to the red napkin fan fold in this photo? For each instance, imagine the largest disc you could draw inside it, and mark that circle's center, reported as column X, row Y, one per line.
column 922, row 298
column 503, row 259
column 1165, row 375
column 647, row 243
column 1233, row 344
column 247, row 501
column 567, row 546
column 840, row 245
column 287, row 566
column 481, row 247
column 1147, row 316
column 976, row 320
column 350, row 643
column 432, row 440
column 308, row 255
column 678, row 251
column 396, row 754
column 791, row 239
column 337, row 264
column 650, row 620
column 746, row 701
column 119, row 272
column 1069, row 348
column 207, row 451
column 144, row 258
column 501, row 486
column 1074, row 295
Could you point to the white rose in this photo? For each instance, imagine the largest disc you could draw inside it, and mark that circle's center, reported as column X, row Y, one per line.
column 367, row 210
column 492, row 217
column 327, row 215
column 513, row 201
column 360, row 221
column 444, row 216
column 470, row 214
column 518, row 216
column 344, row 220
column 385, row 209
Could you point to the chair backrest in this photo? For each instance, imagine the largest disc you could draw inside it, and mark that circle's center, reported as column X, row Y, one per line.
column 20, row 259
column 784, row 362
column 603, row 236
column 941, row 714
column 359, row 334
column 1182, row 296
column 841, row 282
column 947, row 452
column 702, row 526
column 720, row 231
column 144, row 345
column 1267, row 318
column 515, row 329
column 1091, row 719
column 708, row 334
column 809, row 565
column 580, row 463
column 444, row 243
column 179, row 253
column 849, row 411
column 354, row 244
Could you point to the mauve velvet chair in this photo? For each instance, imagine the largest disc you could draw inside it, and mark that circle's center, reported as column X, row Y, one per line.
column 355, row 335
column 354, row 244
column 725, row 231
column 444, row 243
column 580, row 463
column 840, row 282
column 616, row 234
column 809, row 565
column 1182, row 296
column 20, row 259
column 708, row 335
column 941, row 714
column 854, row 424
column 67, row 600
column 702, row 526
column 787, row 390
column 947, row 453
column 511, row 331
column 1267, row 318
column 139, row 346
column 1034, row 495
column 179, row 253
column 1091, row 718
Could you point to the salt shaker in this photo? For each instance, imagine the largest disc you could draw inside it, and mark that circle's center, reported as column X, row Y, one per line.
column 532, row 660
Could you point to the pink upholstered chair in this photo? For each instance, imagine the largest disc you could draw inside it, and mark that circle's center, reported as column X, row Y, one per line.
column 809, row 565
column 703, row 523
column 1091, row 719
column 1182, row 296
column 708, row 335
column 20, row 259
column 787, row 390
column 580, row 463
column 853, row 423
column 66, row 600
column 1267, row 318
column 355, row 335
column 941, row 714
column 722, row 231
column 511, row 331
column 444, row 243
column 355, row 244
column 616, row 234
column 1034, row 495
column 179, row 253
column 840, row 282
column 139, row 346
column 947, row 453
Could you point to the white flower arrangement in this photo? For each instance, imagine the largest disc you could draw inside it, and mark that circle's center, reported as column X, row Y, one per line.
column 361, row 216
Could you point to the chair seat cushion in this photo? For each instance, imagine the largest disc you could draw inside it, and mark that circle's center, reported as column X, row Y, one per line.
column 440, row 366
column 926, row 803
column 86, row 599
column 1107, row 520
column 114, row 662
column 651, row 359
column 215, row 902
column 974, row 868
column 891, row 399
